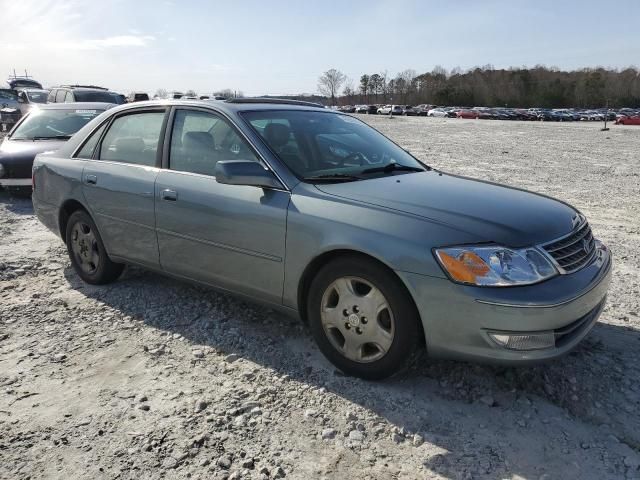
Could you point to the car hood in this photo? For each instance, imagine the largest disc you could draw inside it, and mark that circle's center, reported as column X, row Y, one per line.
column 492, row 212
column 19, row 151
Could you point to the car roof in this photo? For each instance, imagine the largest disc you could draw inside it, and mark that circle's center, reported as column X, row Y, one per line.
column 226, row 106
column 76, row 106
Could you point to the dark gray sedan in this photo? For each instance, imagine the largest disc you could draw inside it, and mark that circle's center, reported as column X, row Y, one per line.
column 317, row 214
column 44, row 128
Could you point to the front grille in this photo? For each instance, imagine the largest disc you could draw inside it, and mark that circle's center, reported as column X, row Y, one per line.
column 574, row 251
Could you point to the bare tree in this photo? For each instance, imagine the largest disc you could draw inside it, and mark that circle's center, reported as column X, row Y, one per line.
column 226, row 93
column 349, row 91
column 161, row 93
column 330, row 82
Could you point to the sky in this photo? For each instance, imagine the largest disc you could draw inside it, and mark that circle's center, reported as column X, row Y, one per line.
column 282, row 46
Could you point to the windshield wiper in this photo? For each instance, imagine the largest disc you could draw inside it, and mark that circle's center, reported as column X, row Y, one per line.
column 53, row 137
column 332, row 177
column 391, row 167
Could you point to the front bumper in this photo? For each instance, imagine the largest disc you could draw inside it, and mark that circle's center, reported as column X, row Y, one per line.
column 457, row 319
column 15, row 182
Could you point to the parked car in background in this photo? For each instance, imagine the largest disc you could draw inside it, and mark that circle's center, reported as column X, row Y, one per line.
column 372, row 109
column 437, row 112
column 28, row 97
column 628, row 120
column 138, row 97
column 317, row 214
column 389, row 109
column 9, row 109
column 347, row 109
column 422, row 110
column 409, row 111
column 467, row 114
column 19, row 83
column 43, row 128
column 84, row 93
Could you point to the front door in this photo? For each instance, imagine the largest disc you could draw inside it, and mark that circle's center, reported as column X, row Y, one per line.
column 231, row 236
column 118, row 184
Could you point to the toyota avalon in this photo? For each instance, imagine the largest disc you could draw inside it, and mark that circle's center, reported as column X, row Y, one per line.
column 315, row 213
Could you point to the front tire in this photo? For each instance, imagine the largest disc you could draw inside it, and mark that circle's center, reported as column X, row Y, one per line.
column 363, row 319
column 86, row 251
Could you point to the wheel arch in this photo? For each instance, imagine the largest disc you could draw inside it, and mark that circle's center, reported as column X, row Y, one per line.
column 321, row 260
column 69, row 206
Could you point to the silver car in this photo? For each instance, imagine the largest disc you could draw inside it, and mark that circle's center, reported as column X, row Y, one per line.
column 319, row 215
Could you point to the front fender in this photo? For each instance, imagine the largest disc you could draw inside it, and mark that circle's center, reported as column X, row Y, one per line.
column 318, row 223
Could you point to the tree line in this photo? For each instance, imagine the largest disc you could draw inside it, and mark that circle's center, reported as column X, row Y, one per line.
column 486, row 86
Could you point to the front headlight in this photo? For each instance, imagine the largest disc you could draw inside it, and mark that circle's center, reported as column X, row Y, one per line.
column 495, row 266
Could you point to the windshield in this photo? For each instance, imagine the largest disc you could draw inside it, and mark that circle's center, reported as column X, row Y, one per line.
column 324, row 144
column 43, row 124
column 8, row 95
column 37, row 97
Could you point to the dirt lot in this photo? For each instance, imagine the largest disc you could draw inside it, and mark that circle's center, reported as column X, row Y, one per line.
column 151, row 378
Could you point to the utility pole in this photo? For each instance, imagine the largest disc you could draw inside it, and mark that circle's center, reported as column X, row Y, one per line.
column 606, row 116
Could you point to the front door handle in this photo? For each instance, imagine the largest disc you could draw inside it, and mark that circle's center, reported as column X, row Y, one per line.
column 91, row 179
column 169, row 195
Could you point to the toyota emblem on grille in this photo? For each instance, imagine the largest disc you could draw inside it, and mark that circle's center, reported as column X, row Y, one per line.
column 575, row 221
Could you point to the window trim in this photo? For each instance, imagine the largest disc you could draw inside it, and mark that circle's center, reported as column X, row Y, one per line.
column 78, row 149
column 125, row 113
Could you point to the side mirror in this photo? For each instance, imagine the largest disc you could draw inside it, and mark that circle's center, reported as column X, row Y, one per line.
column 245, row 172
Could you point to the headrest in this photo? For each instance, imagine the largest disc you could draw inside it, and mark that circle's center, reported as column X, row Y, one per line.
column 198, row 140
column 277, row 134
column 131, row 144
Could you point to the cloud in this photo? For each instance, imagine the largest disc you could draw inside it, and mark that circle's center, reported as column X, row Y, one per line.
column 109, row 42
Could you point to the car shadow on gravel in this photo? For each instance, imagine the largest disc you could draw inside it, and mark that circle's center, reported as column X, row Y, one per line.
column 17, row 205
column 493, row 403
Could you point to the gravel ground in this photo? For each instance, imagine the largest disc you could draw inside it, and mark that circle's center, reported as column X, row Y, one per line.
column 152, row 378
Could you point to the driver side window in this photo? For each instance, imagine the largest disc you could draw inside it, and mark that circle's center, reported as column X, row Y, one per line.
column 200, row 139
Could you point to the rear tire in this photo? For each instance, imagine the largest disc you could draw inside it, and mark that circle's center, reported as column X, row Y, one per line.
column 363, row 319
column 86, row 251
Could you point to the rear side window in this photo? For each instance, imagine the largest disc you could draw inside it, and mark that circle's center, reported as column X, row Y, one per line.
column 96, row 96
column 200, row 140
column 87, row 149
column 133, row 139
column 52, row 96
column 69, row 97
column 60, row 96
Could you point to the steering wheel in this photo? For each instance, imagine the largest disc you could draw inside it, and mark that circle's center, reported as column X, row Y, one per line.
column 355, row 156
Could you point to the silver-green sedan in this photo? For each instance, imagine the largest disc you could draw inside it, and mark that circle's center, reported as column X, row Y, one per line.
column 317, row 214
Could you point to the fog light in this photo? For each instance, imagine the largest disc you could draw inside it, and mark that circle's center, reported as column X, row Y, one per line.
column 533, row 341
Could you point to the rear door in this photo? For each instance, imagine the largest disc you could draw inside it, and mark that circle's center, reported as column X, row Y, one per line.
column 118, row 184
column 232, row 236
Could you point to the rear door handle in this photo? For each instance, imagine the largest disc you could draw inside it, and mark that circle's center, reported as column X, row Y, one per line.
column 169, row 195
column 91, row 179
